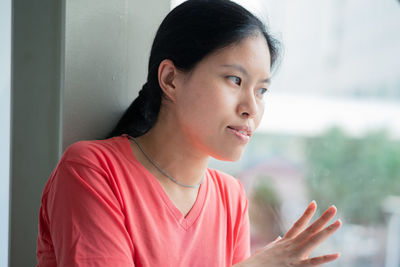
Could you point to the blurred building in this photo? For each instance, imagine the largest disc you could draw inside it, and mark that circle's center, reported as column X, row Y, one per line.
column 337, row 47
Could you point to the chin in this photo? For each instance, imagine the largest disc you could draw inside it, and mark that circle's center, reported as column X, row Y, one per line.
column 230, row 156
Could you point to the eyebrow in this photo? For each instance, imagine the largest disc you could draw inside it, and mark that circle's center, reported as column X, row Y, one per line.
column 243, row 70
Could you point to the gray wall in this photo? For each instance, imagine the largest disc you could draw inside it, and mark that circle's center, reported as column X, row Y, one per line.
column 35, row 117
column 77, row 65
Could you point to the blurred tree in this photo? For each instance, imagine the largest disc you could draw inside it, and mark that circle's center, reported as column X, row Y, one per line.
column 355, row 174
column 264, row 212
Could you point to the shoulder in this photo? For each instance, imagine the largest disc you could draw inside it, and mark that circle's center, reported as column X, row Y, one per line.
column 101, row 156
column 225, row 180
column 89, row 162
column 91, row 152
column 229, row 188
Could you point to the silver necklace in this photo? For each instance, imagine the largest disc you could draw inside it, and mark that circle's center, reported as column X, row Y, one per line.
column 161, row 170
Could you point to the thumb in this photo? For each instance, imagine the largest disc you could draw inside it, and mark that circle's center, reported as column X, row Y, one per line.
column 277, row 239
column 273, row 242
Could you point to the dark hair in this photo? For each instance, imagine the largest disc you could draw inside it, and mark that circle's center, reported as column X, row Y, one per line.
column 187, row 34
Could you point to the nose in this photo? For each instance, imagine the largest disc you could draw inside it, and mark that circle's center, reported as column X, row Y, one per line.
column 248, row 107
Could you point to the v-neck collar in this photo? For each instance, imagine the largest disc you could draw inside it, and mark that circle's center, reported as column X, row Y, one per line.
column 184, row 221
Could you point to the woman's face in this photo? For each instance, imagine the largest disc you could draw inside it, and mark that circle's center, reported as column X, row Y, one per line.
column 224, row 94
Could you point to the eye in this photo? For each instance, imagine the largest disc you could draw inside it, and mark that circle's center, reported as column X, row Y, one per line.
column 262, row 91
column 235, row 79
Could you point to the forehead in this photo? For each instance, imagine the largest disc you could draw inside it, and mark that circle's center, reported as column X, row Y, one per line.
column 252, row 53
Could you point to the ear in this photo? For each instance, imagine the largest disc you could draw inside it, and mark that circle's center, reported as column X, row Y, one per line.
column 167, row 73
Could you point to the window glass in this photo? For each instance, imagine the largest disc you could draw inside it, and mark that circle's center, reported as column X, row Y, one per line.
column 331, row 128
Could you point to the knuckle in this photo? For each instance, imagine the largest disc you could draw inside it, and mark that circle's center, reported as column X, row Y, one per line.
column 308, row 212
column 332, row 227
column 315, row 261
column 314, row 239
column 297, row 224
column 327, row 215
column 310, row 229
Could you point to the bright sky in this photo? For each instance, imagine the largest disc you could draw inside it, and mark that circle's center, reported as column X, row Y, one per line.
column 311, row 115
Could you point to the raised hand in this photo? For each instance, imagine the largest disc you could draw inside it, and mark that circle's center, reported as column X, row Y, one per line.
column 295, row 247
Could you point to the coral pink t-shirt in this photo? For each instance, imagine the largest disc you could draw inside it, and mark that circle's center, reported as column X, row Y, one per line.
column 101, row 207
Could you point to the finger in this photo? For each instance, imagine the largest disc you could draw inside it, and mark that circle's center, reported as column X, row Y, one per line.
column 303, row 221
column 318, row 260
column 317, row 225
column 318, row 238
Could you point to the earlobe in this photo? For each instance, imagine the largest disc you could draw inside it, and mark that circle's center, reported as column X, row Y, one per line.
column 166, row 78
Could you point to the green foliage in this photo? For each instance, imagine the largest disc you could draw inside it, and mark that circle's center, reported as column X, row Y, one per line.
column 264, row 193
column 354, row 174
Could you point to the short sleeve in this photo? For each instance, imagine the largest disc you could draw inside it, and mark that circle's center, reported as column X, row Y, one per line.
column 242, row 246
column 85, row 218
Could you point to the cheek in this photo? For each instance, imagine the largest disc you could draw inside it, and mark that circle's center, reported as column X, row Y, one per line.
column 194, row 107
column 205, row 110
column 204, row 100
column 194, row 102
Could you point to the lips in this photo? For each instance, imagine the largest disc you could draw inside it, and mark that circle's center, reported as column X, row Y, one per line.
column 242, row 129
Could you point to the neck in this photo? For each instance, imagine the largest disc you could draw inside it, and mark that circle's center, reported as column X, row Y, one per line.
column 174, row 154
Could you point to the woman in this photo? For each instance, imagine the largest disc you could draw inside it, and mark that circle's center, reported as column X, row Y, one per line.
column 144, row 195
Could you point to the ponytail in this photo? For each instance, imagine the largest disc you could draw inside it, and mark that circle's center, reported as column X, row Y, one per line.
column 142, row 114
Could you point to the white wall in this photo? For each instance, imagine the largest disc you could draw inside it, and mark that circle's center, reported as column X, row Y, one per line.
column 5, row 91
column 107, row 48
